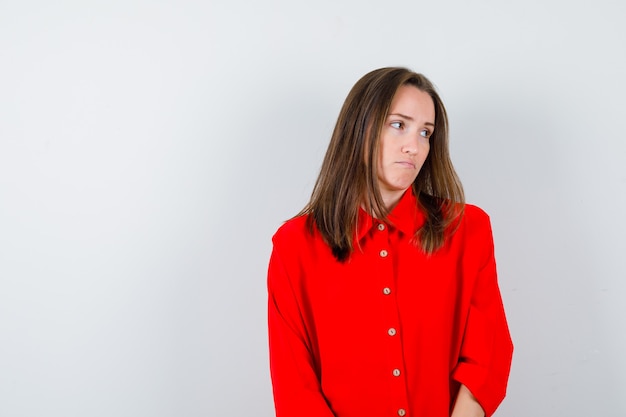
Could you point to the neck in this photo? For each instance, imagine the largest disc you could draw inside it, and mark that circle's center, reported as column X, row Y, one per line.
column 390, row 201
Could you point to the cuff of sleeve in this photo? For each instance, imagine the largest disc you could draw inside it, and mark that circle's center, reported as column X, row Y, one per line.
column 474, row 378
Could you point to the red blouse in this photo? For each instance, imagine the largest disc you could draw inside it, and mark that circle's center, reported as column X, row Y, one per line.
column 392, row 331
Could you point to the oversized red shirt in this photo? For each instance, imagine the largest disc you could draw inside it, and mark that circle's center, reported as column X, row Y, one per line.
column 391, row 332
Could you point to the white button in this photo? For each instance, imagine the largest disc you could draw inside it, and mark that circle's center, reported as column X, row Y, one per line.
column 383, row 253
column 381, row 227
column 391, row 332
column 402, row 412
column 396, row 372
column 386, row 290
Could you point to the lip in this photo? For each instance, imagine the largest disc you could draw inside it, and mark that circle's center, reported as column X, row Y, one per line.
column 406, row 164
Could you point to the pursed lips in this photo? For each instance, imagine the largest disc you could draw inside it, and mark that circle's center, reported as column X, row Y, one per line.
column 406, row 164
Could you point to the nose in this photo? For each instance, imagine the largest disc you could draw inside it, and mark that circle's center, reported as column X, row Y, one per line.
column 410, row 147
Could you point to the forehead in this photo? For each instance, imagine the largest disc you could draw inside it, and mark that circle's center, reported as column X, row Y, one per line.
column 413, row 102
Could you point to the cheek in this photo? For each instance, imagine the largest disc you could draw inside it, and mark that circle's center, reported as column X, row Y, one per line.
column 423, row 153
column 380, row 161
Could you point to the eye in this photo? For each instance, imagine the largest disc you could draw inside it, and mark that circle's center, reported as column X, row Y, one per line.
column 397, row 125
column 425, row 133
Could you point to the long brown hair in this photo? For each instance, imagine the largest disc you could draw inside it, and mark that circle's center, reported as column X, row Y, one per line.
column 348, row 177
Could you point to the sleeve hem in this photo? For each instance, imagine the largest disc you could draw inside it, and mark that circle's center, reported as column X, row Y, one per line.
column 474, row 377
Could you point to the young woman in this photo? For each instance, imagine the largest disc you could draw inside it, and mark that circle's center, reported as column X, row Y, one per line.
column 383, row 295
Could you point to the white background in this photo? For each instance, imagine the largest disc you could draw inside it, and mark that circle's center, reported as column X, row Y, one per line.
column 149, row 150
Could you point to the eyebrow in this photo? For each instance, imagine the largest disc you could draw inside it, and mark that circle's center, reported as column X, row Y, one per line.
column 404, row 116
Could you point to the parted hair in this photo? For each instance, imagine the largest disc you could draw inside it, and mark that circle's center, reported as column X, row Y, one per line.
column 348, row 178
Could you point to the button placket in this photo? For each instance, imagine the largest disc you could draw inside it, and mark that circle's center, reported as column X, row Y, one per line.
column 384, row 243
column 383, row 252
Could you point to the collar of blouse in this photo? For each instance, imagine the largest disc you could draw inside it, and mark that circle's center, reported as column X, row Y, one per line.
column 405, row 216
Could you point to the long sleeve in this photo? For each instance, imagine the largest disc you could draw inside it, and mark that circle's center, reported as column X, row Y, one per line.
column 486, row 350
column 392, row 331
column 295, row 376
